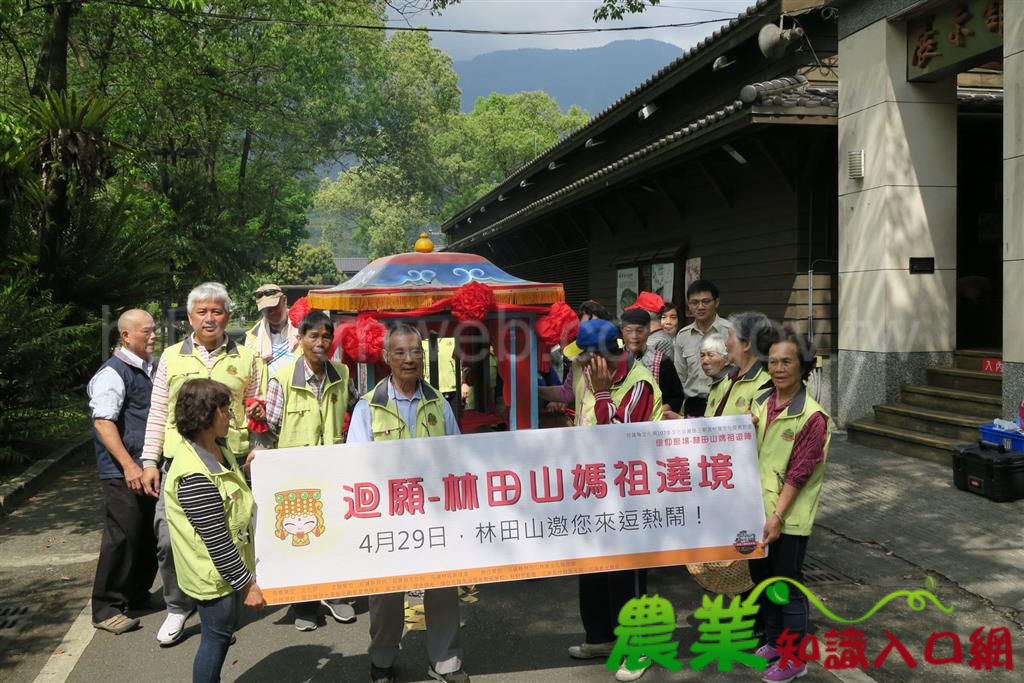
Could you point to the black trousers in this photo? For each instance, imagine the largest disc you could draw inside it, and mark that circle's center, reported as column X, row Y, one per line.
column 786, row 559
column 602, row 597
column 694, row 406
column 127, row 564
column 307, row 610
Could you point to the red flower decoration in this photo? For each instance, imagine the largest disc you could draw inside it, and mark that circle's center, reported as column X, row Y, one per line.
column 472, row 301
column 257, row 426
column 559, row 326
column 363, row 341
column 298, row 310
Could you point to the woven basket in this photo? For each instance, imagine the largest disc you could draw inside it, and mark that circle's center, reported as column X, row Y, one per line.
column 722, row 578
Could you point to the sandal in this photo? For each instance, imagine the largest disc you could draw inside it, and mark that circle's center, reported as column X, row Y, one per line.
column 118, row 624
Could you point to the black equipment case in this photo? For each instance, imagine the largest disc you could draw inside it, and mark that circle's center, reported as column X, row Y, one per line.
column 989, row 471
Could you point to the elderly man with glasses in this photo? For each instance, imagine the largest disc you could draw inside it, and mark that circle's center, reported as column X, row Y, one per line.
column 702, row 301
column 209, row 353
column 403, row 406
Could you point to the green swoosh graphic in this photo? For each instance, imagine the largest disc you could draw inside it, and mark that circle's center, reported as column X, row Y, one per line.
column 916, row 600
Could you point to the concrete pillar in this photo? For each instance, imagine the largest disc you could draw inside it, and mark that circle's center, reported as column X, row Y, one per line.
column 1013, row 206
column 893, row 325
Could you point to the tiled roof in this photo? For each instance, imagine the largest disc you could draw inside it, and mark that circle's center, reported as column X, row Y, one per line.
column 583, row 132
column 980, row 99
column 351, row 264
column 789, row 94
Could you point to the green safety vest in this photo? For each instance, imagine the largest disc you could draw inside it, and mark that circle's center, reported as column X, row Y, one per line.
column 387, row 424
column 741, row 398
column 231, row 368
column 774, row 447
column 251, row 342
column 306, row 421
column 585, row 401
column 445, row 363
column 197, row 575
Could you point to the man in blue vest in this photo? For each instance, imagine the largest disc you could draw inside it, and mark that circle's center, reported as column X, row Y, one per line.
column 119, row 400
column 403, row 406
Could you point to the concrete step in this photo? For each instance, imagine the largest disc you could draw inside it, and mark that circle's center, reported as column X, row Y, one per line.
column 927, row 421
column 903, row 441
column 966, row 380
column 970, row 359
column 986, row 406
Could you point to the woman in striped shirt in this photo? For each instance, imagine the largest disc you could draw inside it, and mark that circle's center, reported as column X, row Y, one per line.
column 209, row 513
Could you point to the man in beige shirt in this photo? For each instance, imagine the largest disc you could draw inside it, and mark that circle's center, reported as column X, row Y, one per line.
column 702, row 301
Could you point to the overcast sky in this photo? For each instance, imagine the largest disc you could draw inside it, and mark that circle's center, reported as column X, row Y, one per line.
column 562, row 14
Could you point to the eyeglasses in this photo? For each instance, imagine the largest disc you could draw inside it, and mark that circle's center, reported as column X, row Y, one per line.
column 701, row 302
column 402, row 354
column 267, row 292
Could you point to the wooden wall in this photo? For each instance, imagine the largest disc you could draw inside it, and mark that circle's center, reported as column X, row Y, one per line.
column 755, row 226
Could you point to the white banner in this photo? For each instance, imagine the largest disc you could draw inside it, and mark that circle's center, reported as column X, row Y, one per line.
column 336, row 521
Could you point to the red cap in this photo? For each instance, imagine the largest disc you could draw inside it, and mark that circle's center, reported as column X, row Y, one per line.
column 649, row 301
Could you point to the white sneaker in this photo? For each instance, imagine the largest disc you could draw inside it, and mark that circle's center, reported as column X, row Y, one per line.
column 625, row 675
column 172, row 629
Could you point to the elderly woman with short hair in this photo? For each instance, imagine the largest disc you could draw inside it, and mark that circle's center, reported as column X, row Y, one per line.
column 747, row 347
column 209, row 513
column 714, row 359
column 792, row 443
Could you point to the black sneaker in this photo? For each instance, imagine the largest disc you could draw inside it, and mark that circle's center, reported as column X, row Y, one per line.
column 382, row 675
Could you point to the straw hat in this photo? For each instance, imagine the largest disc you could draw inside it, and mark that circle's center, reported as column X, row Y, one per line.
column 723, row 578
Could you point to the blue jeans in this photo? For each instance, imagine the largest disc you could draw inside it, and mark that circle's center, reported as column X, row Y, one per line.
column 217, row 620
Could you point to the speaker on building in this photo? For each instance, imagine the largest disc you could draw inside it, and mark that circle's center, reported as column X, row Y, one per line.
column 774, row 40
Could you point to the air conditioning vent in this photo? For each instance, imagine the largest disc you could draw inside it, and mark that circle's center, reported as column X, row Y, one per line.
column 855, row 164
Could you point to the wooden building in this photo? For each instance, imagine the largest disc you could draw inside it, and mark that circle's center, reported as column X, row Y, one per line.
column 725, row 158
column 810, row 161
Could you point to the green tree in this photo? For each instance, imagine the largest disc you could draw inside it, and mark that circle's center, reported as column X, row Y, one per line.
column 221, row 123
column 382, row 220
column 385, row 207
column 396, row 188
column 617, row 9
column 40, row 360
column 502, row 133
column 19, row 185
column 305, row 265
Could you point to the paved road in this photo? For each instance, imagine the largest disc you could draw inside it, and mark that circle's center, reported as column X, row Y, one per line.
column 886, row 523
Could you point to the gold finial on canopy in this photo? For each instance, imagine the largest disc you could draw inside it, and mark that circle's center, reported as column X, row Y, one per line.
column 424, row 245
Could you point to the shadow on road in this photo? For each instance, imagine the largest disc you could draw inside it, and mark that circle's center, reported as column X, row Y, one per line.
column 71, row 504
column 47, row 559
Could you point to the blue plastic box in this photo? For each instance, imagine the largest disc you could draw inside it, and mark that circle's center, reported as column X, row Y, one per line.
column 1010, row 441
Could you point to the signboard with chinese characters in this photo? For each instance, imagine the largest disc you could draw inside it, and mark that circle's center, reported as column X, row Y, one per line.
column 663, row 280
column 337, row 521
column 953, row 37
column 627, row 288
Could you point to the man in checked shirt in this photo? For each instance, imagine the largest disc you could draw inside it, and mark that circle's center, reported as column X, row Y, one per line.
column 306, row 403
column 206, row 353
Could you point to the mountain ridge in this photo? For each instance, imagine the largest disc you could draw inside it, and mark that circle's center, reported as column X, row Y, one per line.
column 591, row 78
